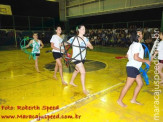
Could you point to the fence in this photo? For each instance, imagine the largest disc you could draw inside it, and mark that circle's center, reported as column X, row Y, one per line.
column 26, row 22
column 14, row 28
column 12, row 37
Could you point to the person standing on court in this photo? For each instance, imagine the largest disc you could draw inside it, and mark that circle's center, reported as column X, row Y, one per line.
column 135, row 56
column 77, row 41
column 55, row 41
column 37, row 45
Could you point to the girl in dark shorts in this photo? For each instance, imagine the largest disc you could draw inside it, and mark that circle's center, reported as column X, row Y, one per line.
column 79, row 60
column 36, row 44
column 159, row 51
column 135, row 56
column 55, row 41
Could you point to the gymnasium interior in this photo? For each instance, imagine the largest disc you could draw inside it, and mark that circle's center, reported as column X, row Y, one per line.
column 29, row 96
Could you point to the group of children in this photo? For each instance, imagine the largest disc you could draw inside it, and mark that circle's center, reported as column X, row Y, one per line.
column 135, row 56
column 78, row 60
column 56, row 41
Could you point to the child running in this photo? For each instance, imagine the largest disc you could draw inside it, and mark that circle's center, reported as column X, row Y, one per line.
column 37, row 45
column 78, row 60
column 55, row 41
column 135, row 56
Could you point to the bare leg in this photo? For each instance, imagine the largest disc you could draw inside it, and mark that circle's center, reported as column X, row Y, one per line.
column 160, row 65
column 59, row 63
column 137, row 89
column 75, row 73
column 81, row 68
column 128, row 84
column 36, row 64
column 55, row 71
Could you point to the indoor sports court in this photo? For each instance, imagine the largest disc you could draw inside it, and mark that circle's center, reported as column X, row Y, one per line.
column 86, row 76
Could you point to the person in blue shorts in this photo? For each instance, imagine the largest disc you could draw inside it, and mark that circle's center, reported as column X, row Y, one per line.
column 135, row 56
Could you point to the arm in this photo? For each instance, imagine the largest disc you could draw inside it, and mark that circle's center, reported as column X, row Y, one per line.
column 65, row 43
column 42, row 45
column 126, row 56
column 90, row 45
column 28, row 44
column 137, row 58
column 52, row 46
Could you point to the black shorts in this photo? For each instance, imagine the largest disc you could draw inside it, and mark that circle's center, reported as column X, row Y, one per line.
column 132, row 72
column 57, row 55
column 77, row 62
column 37, row 54
column 161, row 61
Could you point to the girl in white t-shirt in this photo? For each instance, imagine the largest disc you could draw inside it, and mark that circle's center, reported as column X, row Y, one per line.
column 135, row 56
column 79, row 59
column 56, row 41
column 36, row 43
column 160, row 56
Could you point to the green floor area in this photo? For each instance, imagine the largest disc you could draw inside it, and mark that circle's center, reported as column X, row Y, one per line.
column 107, row 49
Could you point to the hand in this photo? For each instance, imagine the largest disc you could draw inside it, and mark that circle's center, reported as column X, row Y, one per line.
column 23, row 48
column 60, row 45
column 148, row 62
column 62, row 50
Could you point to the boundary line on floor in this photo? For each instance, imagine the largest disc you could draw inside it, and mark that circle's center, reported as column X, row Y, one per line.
column 73, row 103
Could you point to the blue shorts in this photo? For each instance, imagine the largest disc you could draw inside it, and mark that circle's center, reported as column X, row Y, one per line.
column 132, row 72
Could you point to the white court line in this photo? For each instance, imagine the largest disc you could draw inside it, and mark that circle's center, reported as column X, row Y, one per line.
column 64, row 107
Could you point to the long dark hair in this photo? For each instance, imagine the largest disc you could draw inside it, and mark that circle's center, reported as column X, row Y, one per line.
column 134, row 36
column 77, row 29
column 56, row 27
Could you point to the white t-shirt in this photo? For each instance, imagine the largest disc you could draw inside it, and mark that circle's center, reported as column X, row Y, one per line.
column 134, row 48
column 56, row 40
column 76, row 50
column 36, row 46
column 160, row 50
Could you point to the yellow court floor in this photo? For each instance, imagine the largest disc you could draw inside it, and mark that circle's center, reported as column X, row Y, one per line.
column 26, row 94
